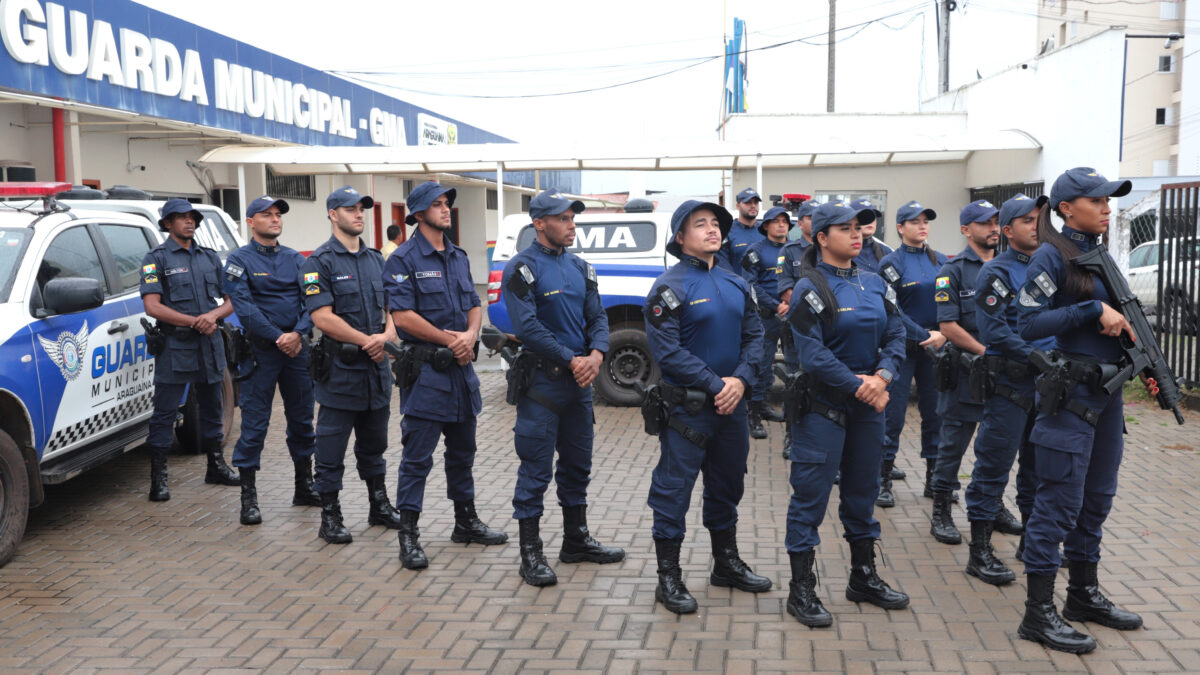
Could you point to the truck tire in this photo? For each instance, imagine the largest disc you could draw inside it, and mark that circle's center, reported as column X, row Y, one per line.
column 189, row 433
column 14, row 498
column 628, row 361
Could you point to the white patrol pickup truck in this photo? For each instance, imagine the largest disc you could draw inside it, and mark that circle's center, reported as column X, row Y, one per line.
column 76, row 381
column 628, row 251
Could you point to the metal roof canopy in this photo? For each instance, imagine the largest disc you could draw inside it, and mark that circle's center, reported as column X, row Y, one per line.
column 860, row 150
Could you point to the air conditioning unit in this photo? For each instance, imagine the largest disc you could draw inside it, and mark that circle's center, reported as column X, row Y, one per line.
column 16, row 171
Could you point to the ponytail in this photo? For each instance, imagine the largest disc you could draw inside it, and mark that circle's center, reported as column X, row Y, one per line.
column 1076, row 282
column 809, row 270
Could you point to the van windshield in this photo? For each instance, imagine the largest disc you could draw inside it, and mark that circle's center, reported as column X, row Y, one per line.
column 12, row 247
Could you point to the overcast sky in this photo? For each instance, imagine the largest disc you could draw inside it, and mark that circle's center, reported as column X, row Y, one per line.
column 446, row 55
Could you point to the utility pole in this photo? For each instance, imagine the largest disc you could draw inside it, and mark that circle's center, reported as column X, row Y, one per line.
column 944, row 8
column 829, row 85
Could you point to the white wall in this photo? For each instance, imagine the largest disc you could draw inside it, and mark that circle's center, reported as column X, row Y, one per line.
column 1189, row 107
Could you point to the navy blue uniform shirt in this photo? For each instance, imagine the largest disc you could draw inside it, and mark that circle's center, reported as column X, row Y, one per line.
column 188, row 281
column 1047, row 311
column 352, row 284
column 867, row 335
column 1000, row 279
column 789, row 267
column 561, row 316
column 437, row 285
column 264, row 284
column 954, row 290
column 765, row 277
column 914, row 287
column 740, row 239
column 693, row 341
column 866, row 259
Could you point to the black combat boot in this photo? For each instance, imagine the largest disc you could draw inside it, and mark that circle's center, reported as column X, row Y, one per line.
column 1042, row 622
column 941, row 525
column 754, row 420
column 332, row 529
column 802, row 601
column 306, row 493
column 251, row 515
column 1021, row 543
column 578, row 544
column 670, row 591
column 728, row 567
column 158, row 475
column 769, row 413
column 983, row 562
column 218, row 472
column 382, row 512
column 898, row 474
column 1006, row 523
column 412, row 556
column 865, row 584
column 886, row 498
column 929, row 465
column 534, row 568
column 1085, row 602
column 469, row 529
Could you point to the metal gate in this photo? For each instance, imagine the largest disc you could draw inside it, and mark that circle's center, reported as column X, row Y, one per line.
column 998, row 194
column 1178, row 285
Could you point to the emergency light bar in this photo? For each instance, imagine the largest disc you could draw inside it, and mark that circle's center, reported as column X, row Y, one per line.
column 796, row 197
column 32, row 189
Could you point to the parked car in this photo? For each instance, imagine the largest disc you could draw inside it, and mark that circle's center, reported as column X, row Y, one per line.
column 1181, row 286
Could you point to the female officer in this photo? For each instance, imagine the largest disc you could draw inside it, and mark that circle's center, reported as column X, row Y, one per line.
column 911, row 271
column 850, row 340
column 1078, row 447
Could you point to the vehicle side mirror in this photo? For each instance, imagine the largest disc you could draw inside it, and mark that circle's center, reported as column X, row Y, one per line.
column 75, row 294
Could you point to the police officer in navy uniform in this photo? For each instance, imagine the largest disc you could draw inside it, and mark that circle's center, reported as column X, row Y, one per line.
column 343, row 291
column 1004, row 430
column 954, row 293
column 873, row 250
column 761, row 266
column 553, row 299
column 181, row 281
column 911, row 270
column 745, row 230
column 851, row 340
column 433, row 302
column 690, row 313
column 1079, row 447
column 263, row 280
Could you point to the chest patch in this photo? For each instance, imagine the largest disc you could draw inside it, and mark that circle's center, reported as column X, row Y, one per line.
column 343, row 277
column 175, row 270
column 969, row 293
column 431, row 274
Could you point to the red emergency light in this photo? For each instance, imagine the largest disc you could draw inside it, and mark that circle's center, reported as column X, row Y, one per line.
column 32, row 189
column 796, row 197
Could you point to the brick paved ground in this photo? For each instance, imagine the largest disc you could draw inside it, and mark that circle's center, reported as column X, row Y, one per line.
column 107, row 580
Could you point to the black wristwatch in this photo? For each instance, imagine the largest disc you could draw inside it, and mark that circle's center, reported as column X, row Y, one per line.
column 886, row 375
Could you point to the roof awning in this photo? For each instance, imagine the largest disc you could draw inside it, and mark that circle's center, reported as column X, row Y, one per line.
column 860, row 150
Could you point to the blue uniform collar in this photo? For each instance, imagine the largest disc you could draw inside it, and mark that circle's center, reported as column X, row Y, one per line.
column 970, row 254
column 265, row 250
column 913, row 249
column 693, row 261
column 1083, row 240
column 1021, row 257
column 844, row 273
column 554, row 252
column 174, row 247
column 738, row 221
column 427, row 248
column 337, row 246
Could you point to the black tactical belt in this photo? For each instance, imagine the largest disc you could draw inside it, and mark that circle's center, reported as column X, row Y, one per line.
column 183, row 333
column 689, row 434
column 1023, row 402
column 262, row 342
column 832, row 414
column 693, row 401
column 1012, row 369
column 440, row 358
column 1085, row 413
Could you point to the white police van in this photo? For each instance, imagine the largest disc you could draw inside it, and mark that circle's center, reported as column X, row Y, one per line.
column 76, row 382
column 628, row 251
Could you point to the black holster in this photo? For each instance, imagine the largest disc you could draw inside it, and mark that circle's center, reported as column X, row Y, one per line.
column 320, row 359
column 156, row 340
column 945, row 367
column 238, row 351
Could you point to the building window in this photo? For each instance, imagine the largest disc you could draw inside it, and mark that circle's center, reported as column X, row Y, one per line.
column 1164, row 116
column 525, row 199
column 408, row 187
column 1168, row 10
column 493, row 201
column 291, row 187
column 1166, row 63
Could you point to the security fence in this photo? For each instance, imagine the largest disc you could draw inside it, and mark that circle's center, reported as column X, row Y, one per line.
column 1175, row 257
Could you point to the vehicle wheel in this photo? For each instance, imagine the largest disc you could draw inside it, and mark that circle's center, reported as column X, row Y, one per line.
column 189, row 433
column 1182, row 312
column 628, row 361
column 14, row 497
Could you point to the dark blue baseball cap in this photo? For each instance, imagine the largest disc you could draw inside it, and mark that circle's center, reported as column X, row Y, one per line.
column 866, row 204
column 174, row 206
column 747, row 195
column 978, row 211
column 1084, row 181
column 773, row 213
column 724, row 220
column 836, row 213
column 423, row 196
column 1019, row 205
column 807, row 208
column 347, row 196
column 551, row 203
column 263, row 203
column 911, row 210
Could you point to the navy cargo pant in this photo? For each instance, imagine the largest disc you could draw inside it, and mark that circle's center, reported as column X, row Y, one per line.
column 772, row 331
column 258, row 393
column 1003, row 437
column 539, row 432
column 420, row 438
column 722, row 461
column 1077, row 468
column 959, row 418
column 168, row 397
column 820, row 447
column 333, row 434
column 917, row 365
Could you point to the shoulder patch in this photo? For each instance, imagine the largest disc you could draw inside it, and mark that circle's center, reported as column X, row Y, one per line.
column 889, row 273
column 661, row 305
column 889, row 300
column 149, row 269
column 234, row 271
column 942, row 282
column 996, row 295
column 312, row 277
column 521, row 282
column 1045, row 284
column 808, row 313
column 941, row 296
column 751, row 260
column 589, row 274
